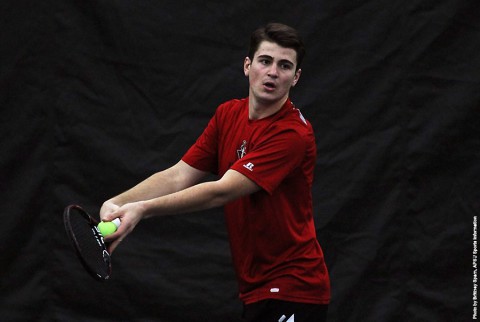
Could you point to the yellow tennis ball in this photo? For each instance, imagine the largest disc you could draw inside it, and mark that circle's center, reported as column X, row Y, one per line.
column 107, row 228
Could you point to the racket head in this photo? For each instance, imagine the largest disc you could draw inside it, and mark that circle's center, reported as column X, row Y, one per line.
column 88, row 242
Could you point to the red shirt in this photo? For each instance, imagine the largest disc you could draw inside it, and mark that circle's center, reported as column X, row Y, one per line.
column 275, row 251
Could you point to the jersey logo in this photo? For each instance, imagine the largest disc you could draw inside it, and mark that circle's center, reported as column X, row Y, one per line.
column 249, row 166
column 242, row 150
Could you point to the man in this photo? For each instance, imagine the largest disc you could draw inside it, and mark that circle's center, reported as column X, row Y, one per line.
column 263, row 151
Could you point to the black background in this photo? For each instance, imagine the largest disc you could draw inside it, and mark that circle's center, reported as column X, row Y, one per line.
column 97, row 95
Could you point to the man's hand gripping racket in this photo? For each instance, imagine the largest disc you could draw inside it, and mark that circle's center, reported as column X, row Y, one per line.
column 87, row 236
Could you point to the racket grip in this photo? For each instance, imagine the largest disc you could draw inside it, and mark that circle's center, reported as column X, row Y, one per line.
column 116, row 222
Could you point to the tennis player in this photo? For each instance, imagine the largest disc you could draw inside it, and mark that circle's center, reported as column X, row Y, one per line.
column 263, row 151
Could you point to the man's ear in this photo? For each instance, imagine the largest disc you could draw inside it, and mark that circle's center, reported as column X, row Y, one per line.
column 296, row 77
column 246, row 66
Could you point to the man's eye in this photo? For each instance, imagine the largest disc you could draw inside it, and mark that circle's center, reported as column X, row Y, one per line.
column 286, row 66
column 264, row 61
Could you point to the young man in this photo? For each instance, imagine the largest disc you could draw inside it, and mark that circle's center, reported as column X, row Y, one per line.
column 263, row 151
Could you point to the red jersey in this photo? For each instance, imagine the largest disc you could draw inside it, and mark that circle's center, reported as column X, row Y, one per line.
column 273, row 241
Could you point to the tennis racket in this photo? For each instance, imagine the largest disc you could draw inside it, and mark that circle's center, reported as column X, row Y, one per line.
column 88, row 242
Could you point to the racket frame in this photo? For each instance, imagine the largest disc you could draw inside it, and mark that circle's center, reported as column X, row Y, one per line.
column 92, row 222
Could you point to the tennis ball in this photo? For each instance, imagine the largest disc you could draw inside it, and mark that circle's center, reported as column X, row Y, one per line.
column 107, row 228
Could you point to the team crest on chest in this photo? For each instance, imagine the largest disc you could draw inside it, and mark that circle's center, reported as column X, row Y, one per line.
column 242, row 150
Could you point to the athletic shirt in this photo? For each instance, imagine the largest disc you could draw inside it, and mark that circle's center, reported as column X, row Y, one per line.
column 272, row 234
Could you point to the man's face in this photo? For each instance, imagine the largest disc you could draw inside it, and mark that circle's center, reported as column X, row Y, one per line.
column 271, row 72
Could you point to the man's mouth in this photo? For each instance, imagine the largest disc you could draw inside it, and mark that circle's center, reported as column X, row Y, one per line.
column 269, row 86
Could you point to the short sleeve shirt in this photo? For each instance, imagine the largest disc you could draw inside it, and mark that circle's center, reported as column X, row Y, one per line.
column 272, row 235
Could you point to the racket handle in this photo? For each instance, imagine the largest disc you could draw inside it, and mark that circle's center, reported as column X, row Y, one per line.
column 116, row 222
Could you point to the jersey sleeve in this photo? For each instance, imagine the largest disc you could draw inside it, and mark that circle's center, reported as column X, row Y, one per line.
column 272, row 159
column 202, row 155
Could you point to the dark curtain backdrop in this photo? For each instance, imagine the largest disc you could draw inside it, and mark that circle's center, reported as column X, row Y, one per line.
column 97, row 95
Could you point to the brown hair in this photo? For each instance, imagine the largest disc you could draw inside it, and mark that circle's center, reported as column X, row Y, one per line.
column 283, row 35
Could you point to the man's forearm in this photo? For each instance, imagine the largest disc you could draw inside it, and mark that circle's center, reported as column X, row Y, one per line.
column 201, row 196
column 154, row 186
column 173, row 179
column 133, row 205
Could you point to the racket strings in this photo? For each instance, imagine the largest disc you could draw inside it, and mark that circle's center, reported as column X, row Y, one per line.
column 90, row 244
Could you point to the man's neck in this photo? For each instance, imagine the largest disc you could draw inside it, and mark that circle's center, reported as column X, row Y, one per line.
column 259, row 110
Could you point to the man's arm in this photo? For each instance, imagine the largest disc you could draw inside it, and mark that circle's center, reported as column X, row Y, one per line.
column 206, row 195
column 175, row 178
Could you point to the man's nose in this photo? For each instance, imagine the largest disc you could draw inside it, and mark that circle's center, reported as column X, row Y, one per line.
column 273, row 71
